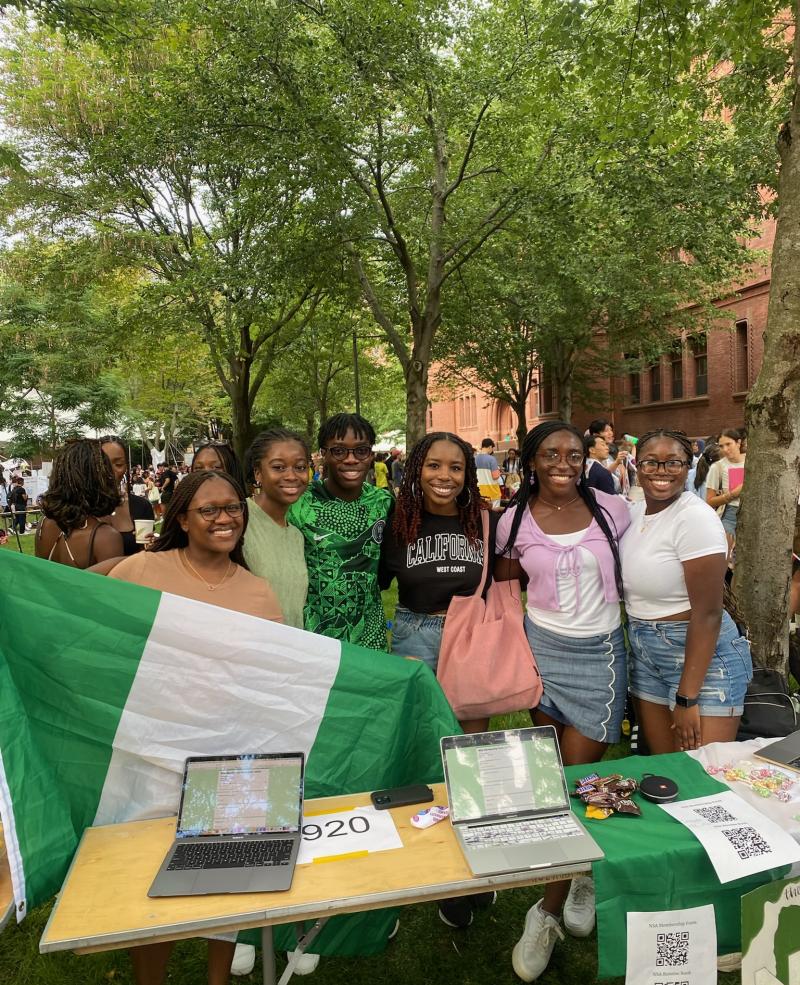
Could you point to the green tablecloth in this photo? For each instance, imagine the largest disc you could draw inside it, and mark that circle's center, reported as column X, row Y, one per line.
column 654, row 863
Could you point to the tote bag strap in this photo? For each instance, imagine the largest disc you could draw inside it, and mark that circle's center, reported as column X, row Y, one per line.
column 485, row 572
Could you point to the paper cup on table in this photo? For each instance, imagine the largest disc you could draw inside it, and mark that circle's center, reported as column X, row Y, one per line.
column 143, row 529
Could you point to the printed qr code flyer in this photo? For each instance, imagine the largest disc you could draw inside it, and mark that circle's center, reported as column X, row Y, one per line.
column 673, row 947
column 771, row 934
column 739, row 840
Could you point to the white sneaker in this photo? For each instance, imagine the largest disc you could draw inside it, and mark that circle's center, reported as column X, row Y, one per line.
column 531, row 953
column 579, row 915
column 244, row 959
column 306, row 963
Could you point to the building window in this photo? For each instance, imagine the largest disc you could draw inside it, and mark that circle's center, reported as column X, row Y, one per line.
column 699, row 347
column 676, row 371
column 467, row 411
column 547, row 403
column 655, row 382
column 741, row 356
column 634, row 381
column 430, row 418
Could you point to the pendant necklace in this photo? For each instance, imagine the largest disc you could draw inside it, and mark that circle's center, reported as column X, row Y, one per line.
column 197, row 574
column 558, row 509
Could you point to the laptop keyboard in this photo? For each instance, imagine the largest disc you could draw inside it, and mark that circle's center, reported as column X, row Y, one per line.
column 521, row 832
column 230, row 854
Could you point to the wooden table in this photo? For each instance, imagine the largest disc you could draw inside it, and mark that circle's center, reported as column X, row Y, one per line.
column 104, row 905
column 6, row 892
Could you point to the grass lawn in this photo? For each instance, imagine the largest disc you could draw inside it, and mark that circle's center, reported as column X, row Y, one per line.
column 424, row 950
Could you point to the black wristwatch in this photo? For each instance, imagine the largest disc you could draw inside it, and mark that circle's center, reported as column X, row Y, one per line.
column 684, row 702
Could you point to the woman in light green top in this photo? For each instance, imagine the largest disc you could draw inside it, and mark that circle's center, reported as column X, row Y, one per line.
column 277, row 465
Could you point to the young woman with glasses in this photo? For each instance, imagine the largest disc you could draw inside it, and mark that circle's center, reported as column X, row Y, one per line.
column 199, row 553
column 561, row 537
column 690, row 667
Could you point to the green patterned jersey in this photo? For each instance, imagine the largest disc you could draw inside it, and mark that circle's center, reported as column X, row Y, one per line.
column 343, row 547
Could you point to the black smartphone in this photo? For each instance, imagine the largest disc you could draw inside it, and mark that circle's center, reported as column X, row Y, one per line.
column 417, row 793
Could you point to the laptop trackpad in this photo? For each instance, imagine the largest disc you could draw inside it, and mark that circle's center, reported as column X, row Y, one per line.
column 222, row 881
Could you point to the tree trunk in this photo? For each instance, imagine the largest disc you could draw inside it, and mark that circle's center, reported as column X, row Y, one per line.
column 521, row 410
column 564, row 389
column 767, row 516
column 240, row 416
column 416, row 401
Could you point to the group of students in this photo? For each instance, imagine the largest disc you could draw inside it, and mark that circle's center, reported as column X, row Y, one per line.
column 316, row 554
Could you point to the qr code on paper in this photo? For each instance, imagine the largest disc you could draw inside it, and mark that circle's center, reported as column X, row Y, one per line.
column 714, row 814
column 672, row 949
column 747, row 842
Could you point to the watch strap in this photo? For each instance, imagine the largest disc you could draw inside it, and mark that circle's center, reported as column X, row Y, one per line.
column 684, row 702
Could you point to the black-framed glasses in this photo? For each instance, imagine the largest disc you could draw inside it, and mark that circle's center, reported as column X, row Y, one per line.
column 551, row 456
column 340, row 453
column 209, row 512
column 672, row 466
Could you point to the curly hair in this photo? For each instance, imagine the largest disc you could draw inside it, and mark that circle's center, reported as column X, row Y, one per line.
column 529, row 488
column 173, row 536
column 409, row 508
column 262, row 444
column 338, row 426
column 677, row 436
column 82, row 485
column 227, row 457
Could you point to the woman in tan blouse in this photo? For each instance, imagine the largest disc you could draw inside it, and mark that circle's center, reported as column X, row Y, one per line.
column 199, row 556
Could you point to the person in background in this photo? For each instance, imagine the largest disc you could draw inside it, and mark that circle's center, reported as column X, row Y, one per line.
column 277, row 466
column 381, row 471
column 489, row 473
column 131, row 507
column 199, row 556
column 562, row 537
column 689, row 665
column 698, row 446
column 82, row 491
column 597, row 473
column 167, row 482
column 398, row 470
column 220, row 457
column 17, row 500
column 724, row 482
column 696, row 479
column 342, row 519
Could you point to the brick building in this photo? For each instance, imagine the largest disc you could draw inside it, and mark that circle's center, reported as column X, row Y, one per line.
column 699, row 386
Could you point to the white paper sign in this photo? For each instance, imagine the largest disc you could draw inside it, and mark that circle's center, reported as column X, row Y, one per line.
column 361, row 829
column 738, row 839
column 675, row 947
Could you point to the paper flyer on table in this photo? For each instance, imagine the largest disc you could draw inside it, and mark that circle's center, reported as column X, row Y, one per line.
column 678, row 947
column 738, row 839
column 360, row 829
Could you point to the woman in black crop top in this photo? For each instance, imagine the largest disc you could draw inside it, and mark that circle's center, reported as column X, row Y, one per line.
column 131, row 507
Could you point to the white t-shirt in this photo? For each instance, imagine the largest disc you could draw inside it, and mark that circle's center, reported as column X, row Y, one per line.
column 718, row 479
column 596, row 615
column 653, row 549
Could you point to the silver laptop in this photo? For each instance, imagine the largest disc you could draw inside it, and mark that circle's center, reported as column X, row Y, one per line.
column 784, row 752
column 239, row 826
column 509, row 802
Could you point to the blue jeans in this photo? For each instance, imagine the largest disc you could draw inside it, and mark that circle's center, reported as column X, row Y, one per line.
column 416, row 634
column 656, row 665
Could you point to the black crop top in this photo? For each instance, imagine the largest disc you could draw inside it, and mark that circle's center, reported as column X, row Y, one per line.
column 439, row 564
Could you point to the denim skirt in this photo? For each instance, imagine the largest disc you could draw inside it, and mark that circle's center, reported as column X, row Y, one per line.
column 416, row 634
column 585, row 680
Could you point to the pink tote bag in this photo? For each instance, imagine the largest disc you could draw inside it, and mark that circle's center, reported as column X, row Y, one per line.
column 485, row 662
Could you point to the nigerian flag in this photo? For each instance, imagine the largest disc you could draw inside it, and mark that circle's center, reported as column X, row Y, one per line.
column 106, row 687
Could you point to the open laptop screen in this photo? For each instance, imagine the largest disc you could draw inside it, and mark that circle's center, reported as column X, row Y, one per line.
column 244, row 795
column 503, row 774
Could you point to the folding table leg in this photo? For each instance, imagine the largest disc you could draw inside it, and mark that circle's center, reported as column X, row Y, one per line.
column 303, row 941
column 268, row 956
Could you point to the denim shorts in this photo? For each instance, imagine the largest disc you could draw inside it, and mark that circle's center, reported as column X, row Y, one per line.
column 584, row 678
column 729, row 517
column 417, row 634
column 657, row 651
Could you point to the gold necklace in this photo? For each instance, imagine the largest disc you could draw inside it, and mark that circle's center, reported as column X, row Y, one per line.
column 558, row 509
column 197, row 574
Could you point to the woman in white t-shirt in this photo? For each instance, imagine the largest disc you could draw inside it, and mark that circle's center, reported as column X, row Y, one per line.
column 724, row 482
column 690, row 667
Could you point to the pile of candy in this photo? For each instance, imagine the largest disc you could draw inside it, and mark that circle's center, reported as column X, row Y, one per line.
column 763, row 780
column 606, row 795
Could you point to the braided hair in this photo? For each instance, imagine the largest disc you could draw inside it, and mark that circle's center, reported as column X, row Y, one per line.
column 529, row 487
column 82, row 485
column 227, row 457
column 262, row 444
column 704, row 463
column 409, row 508
column 678, row 436
column 173, row 536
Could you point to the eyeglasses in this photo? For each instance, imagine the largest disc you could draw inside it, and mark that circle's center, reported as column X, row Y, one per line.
column 673, row 466
column 551, row 456
column 340, row 453
column 209, row 513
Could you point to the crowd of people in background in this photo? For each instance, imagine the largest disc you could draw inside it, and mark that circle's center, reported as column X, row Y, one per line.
column 603, row 534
